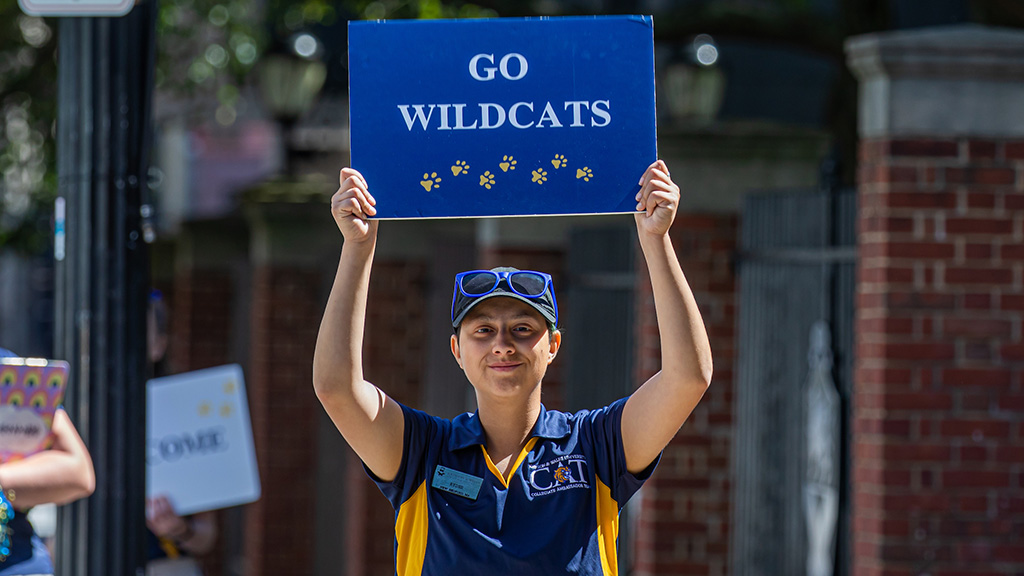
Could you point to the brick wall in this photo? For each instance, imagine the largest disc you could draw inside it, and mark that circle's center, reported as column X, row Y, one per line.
column 939, row 397
column 199, row 319
column 198, row 304
column 286, row 312
column 394, row 360
column 684, row 521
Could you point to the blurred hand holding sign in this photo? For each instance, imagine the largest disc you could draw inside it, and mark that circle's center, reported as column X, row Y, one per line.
column 31, row 390
column 502, row 117
column 199, row 451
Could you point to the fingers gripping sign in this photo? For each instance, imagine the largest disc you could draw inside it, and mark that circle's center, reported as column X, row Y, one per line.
column 162, row 519
column 352, row 206
column 657, row 200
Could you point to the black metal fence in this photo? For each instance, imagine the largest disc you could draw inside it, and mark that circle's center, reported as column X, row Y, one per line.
column 796, row 269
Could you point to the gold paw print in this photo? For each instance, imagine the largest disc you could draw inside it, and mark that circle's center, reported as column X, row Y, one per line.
column 459, row 168
column 430, row 181
column 585, row 173
column 225, row 410
column 507, row 163
column 204, row 409
column 540, row 176
column 558, row 161
column 487, row 179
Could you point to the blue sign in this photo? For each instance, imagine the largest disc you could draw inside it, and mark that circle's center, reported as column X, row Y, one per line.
column 502, row 117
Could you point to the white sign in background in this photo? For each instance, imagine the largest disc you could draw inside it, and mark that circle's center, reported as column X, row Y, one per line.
column 199, row 450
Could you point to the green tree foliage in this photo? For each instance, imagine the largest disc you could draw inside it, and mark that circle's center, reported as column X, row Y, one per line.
column 207, row 51
column 28, row 95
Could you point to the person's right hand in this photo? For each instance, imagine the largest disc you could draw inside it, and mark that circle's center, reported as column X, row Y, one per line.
column 352, row 205
column 162, row 520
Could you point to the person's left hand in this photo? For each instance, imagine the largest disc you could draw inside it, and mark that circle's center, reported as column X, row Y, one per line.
column 163, row 520
column 658, row 200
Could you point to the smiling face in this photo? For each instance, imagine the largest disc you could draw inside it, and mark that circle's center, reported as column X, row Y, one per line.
column 504, row 347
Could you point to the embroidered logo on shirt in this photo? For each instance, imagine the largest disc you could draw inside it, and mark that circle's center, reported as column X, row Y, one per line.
column 562, row 475
column 556, row 475
column 459, row 483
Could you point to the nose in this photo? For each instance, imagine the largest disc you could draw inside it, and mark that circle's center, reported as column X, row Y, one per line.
column 503, row 343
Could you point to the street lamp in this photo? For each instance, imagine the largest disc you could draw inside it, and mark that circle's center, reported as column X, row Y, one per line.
column 695, row 84
column 291, row 76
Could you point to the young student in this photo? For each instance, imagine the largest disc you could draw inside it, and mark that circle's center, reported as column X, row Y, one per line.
column 513, row 488
column 61, row 474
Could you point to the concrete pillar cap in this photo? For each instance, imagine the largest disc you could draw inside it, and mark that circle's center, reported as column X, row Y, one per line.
column 963, row 51
column 946, row 82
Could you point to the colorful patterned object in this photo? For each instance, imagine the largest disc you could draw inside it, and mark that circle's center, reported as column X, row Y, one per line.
column 31, row 390
column 6, row 515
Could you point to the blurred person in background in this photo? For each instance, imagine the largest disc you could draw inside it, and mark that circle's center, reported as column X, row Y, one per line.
column 174, row 542
column 59, row 475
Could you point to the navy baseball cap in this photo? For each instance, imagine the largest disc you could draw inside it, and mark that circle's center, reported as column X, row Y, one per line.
column 531, row 287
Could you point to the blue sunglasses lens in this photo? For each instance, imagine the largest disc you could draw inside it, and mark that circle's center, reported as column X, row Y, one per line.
column 527, row 283
column 479, row 283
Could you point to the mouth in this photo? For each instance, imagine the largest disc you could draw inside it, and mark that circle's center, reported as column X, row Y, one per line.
column 505, row 366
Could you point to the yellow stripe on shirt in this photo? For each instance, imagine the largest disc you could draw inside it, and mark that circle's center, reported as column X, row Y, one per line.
column 607, row 529
column 522, row 456
column 411, row 533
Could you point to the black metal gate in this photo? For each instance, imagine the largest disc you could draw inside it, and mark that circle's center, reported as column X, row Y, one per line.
column 796, row 270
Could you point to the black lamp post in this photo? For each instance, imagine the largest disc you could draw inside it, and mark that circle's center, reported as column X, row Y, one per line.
column 291, row 76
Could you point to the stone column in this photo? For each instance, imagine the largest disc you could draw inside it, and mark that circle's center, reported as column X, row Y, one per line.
column 938, row 398
column 291, row 234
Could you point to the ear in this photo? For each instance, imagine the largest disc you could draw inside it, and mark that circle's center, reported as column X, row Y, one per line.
column 554, row 343
column 455, row 350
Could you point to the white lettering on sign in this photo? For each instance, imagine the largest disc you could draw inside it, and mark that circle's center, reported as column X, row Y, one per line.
column 493, row 115
column 488, row 71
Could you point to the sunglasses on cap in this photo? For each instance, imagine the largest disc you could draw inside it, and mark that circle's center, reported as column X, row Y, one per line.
column 532, row 287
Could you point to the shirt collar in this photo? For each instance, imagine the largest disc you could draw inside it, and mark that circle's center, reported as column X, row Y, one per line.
column 467, row 431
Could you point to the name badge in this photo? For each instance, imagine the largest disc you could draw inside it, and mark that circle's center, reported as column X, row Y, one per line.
column 459, row 483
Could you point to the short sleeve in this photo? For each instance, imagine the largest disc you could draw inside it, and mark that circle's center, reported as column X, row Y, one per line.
column 604, row 433
column 422, row 431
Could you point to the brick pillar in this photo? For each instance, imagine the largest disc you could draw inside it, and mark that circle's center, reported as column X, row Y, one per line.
column 203, row 292
column 288, row 284
column 938, row 397
column 684, row 519
column 201, row 309
column 202, row 300
column 394, row 357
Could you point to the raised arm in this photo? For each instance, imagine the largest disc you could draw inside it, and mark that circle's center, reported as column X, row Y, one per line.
column 59, row 475
column 656, row 411
column 371, row 422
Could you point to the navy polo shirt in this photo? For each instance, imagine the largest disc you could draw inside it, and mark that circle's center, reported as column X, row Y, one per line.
column 555, row 512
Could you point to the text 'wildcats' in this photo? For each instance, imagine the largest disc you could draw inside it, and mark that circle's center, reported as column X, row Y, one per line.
column 492, row 115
